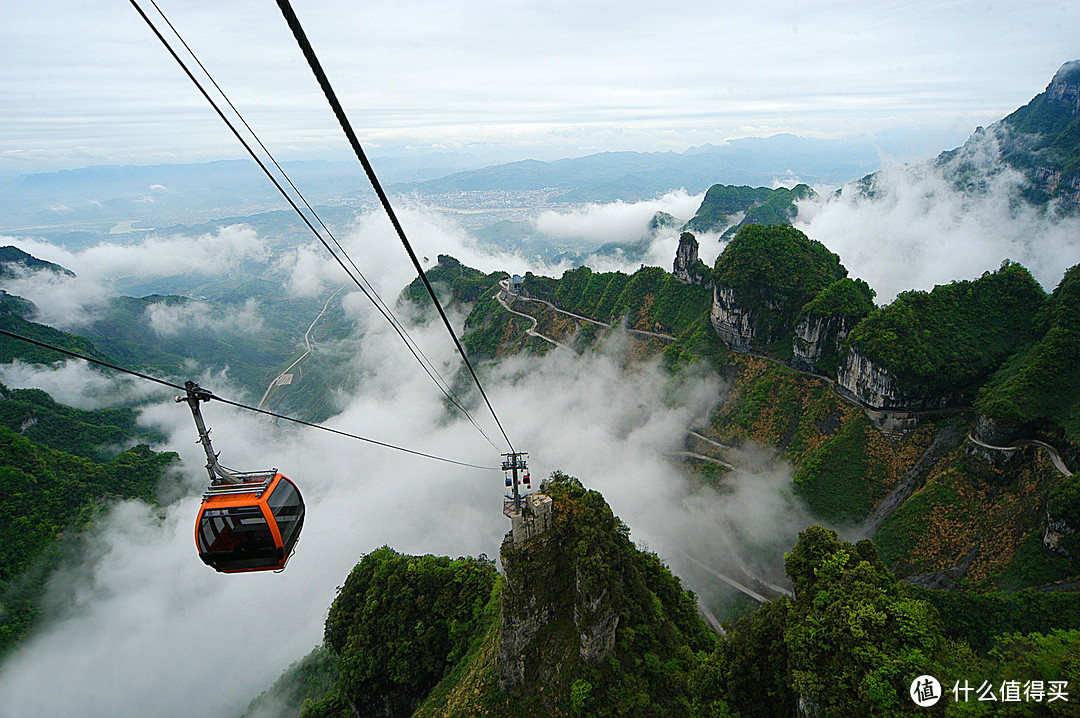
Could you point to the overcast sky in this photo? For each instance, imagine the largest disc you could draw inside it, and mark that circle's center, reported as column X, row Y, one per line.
column 87, row 83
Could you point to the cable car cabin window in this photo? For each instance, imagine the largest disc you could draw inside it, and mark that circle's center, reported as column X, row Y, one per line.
column 237, row 538
column 288, row 510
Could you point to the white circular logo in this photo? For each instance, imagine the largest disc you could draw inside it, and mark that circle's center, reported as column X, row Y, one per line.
column 925, row 691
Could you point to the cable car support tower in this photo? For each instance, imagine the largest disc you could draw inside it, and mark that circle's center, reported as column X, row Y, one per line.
column 513, row 463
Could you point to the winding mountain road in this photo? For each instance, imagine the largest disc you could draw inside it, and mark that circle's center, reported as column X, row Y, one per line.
column 504, row 290
column 285, row 377
column 531, row 331
column 1055, row 457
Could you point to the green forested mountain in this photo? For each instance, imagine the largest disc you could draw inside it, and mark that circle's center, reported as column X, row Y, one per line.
column 955, row 335
column 48, row 495
column 1041, row 383
column 13, row 259
column 1047, row 144
column 758, row 205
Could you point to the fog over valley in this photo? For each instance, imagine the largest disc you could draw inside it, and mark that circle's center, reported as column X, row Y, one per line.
column 792, row 293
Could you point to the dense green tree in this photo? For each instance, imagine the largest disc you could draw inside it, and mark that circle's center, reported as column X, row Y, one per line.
column 855, row 640
column 400, row 622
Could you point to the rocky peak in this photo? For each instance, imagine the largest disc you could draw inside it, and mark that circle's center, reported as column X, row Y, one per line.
column 581, row 604
column 1065, row 87
column 686, row 260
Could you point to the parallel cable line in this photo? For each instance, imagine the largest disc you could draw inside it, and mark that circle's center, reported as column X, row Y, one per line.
column 414, row 349
column 171, row 385
column 346, row 126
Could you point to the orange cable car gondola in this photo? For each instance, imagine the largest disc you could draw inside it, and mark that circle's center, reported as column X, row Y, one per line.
column 247, row 521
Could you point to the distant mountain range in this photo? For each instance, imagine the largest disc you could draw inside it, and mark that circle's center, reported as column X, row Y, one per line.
column 79, row 206
column 630, row 176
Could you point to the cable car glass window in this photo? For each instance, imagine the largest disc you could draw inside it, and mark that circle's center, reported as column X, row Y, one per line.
column 288, row 510
column 241, row 529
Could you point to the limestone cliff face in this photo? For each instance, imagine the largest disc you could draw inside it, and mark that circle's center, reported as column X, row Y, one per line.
column 734, row 324
column 996, row 433
column 1055, row 530
column 868, row 382
column 876, row 387
column 816, row 335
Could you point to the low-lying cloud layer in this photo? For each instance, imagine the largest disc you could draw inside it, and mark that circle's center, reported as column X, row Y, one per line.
column 140, row 627
column 168, row 320
column 222, row 251
column 615, row 221
column 74, row 302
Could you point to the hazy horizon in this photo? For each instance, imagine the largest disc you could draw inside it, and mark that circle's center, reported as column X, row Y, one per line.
column 90, row 85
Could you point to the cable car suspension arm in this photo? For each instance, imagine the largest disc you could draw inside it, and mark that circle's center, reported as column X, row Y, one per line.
column 195, row 394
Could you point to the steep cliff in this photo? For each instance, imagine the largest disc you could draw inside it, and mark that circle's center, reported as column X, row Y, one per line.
column 762, row 280
column 591, row 623
column 688, row 268
column 824, row 323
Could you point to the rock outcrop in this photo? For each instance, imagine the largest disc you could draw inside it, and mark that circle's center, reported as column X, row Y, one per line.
column 817, row 335
column 581, row 604
column 824, row 323
column 549, row 611
column 1055, row 531
column 1065, row 87
column 878, row 388
column 688, row 268
column 733, row 323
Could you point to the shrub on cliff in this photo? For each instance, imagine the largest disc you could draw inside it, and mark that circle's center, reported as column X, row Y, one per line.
column 848, row 298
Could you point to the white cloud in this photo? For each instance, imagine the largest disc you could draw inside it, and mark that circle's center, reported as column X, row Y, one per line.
column 73, row 302
column 171, row 319
column 141, row 627
column 220, row 252
column 63, row 302
column 618, row 221
column 918, row 231
column 76, row 383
